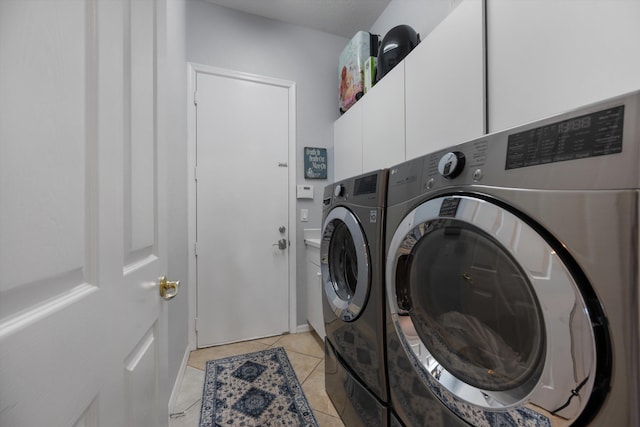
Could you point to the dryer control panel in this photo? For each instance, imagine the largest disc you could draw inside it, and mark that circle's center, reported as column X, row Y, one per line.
column 589, row 135
column 595, row 147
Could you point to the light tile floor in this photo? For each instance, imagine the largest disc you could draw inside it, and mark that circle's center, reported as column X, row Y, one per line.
column 305, row 352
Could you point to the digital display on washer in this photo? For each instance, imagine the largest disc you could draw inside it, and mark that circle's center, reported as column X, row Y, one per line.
column 366, row 185
column 591, row 135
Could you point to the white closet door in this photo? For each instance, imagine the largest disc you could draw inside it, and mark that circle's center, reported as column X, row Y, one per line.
column 82, row 214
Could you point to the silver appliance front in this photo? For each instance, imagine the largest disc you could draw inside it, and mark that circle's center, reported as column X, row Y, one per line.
column 513, row 278
column 486, row 307
column 351, row 264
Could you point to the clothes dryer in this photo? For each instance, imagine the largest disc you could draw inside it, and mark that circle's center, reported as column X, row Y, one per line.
column 512, row 276
column 351, row 264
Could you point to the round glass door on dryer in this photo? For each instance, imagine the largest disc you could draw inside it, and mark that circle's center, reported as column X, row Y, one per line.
column 488, row 309
column 344, row 255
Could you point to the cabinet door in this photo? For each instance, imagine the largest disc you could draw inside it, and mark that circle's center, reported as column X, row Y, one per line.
column 314, row 291
column 545, row 57
column 383, row 122
column 347, row 143
column 445, row 95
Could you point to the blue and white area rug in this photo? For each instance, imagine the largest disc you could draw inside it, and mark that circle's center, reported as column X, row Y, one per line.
column 254, row 389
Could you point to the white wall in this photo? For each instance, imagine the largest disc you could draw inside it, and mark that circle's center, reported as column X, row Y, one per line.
column 221, row 37
column 423, row 16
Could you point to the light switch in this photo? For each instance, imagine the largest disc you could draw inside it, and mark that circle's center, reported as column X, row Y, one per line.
column 304, row 215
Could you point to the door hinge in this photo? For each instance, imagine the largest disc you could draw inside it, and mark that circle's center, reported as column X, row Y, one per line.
column 195, row 324
column 195, row 248
column 195, row 98
column 195, row 173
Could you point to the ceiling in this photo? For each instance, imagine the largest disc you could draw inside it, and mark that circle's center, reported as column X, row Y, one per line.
column 340, row 17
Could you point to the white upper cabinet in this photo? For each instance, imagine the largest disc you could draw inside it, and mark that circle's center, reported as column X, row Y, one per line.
column 545, row 57
column 433, row 99
column 347, row 143
column 445, row 82
column 383, row 122
column 370, row 135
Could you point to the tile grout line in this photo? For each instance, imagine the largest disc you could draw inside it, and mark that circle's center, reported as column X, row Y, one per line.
column 310, row 373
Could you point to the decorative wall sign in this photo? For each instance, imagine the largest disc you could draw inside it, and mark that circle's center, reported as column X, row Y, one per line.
column 315, row 163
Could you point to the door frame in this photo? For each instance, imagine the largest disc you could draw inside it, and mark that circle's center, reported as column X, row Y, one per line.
column 193, row 70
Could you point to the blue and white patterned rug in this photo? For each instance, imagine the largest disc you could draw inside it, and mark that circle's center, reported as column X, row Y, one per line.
column 254, row 389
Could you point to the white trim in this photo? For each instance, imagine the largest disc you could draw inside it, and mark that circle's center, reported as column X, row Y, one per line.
column 193, row 70
column 191, row 205
column 175, row 392
column 303, row 328
column 293, row 309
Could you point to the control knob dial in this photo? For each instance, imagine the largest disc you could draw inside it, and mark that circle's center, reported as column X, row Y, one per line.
column 451, row 164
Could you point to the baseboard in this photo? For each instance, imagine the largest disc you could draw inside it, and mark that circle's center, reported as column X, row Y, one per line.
column 178, row 383
column 303, row 328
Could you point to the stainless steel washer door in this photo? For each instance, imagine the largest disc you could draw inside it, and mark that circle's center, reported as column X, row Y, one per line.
column 489, row 314
column 344, row 264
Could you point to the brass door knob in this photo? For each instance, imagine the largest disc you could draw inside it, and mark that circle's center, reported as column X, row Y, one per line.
column 168, row 289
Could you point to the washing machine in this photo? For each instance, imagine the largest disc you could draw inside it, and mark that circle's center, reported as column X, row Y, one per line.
column 512, row 276
column 351, row 265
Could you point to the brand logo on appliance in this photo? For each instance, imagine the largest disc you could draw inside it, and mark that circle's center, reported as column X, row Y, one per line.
column 373, row 216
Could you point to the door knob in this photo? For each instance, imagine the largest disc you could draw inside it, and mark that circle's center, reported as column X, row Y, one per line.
column 168, row 289
column 282, row 244
column 282, row 229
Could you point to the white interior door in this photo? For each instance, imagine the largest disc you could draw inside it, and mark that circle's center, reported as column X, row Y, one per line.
column 82, row 325
column 242, row 208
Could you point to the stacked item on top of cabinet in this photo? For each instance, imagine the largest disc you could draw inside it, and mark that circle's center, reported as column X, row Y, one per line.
column 396, row 44
column 356, row 68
